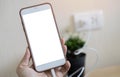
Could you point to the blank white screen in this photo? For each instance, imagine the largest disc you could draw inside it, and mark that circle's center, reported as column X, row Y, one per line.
column 43, row 37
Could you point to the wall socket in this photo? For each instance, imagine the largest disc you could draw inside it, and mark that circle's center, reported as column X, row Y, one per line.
column 88, row 20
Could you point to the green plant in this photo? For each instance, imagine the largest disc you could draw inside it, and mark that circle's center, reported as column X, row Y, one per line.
column 74, row 43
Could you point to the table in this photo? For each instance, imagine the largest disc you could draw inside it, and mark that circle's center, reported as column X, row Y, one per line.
column 113, row 71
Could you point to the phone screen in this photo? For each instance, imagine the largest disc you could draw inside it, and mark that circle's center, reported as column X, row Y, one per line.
column 42, row 35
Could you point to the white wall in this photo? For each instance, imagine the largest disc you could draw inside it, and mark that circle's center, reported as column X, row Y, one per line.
column 12, row 39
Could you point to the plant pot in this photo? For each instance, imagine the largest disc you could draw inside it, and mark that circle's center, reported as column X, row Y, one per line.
column 76, row 62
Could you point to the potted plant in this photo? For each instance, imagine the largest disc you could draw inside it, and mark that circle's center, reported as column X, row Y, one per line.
column 77, row 61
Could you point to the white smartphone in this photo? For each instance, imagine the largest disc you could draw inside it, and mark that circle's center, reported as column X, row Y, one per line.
column 42, row 36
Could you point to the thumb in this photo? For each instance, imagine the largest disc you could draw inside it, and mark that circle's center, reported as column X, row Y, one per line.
column 26, row 58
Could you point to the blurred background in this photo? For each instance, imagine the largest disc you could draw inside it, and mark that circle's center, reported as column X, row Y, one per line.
column 105, row 40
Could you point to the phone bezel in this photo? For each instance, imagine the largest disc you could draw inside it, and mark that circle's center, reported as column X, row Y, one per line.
column 48, row 65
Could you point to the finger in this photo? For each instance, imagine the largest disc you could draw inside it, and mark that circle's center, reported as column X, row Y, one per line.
column 26, row 58
column 65, row 49
column 64, row 69
column 46, row 73
column 32, row 66
column 62, row 41
column 64, row 46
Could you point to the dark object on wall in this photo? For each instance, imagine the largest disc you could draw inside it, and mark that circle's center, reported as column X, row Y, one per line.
column 76, row 63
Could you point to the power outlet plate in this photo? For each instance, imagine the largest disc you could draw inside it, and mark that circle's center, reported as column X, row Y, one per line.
column 88, row 20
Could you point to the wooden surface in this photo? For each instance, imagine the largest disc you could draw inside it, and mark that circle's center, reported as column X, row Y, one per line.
column 113, row 71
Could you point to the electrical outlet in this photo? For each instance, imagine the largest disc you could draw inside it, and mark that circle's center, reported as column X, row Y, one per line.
column 88, row 20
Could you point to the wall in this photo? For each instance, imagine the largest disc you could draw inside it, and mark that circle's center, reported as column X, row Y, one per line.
column 13, row 43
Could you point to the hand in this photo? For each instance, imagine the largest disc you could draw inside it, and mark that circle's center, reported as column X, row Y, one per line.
column 25, row 70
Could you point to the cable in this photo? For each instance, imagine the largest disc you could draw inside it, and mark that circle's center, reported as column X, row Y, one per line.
column 82, row 70
column 53, row 73
column 93, row 67
column 77, row 52
column 96, row 62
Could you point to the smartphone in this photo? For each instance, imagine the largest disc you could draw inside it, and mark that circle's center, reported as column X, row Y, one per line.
column 42, row 36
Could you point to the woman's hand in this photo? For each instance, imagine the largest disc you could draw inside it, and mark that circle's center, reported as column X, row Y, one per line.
column 24, row 70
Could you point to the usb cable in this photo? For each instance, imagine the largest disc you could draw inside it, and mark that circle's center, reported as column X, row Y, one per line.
column 53, row 73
